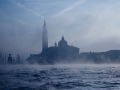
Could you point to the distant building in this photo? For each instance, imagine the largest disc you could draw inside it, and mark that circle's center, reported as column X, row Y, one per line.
column 13, row 60
column 18, row 59
column 10, row 59
column 62, row 52
column 2, row 58
column 44, row 37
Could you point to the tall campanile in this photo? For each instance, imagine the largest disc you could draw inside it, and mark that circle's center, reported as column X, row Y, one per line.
column 44, row 37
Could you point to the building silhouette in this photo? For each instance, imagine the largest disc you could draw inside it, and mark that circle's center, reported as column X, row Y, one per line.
column 62, row 52
column 18, row 59
column 10, row 59
column 58, row 53
column 44, row 37
column 3, row 58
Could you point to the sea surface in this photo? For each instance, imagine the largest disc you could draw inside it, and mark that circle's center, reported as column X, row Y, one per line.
column 60, row 77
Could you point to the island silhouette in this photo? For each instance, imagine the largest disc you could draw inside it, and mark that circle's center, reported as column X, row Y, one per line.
column 64, row 53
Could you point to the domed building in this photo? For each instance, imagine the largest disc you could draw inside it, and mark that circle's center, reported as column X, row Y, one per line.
column 62, row 43
column 61, row 53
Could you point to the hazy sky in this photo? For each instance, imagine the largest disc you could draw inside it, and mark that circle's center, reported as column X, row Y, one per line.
column 91, row 25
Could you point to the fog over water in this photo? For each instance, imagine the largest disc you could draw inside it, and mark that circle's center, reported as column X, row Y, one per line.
column 60, row 77
column 91, row 25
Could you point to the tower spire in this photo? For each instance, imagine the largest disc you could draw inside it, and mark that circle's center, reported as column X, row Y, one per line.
column 55, row 44
column 44, row 22
column 44, row 37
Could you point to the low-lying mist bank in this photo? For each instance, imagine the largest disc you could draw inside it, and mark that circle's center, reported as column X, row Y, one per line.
column 109, row 57
column 62, row 65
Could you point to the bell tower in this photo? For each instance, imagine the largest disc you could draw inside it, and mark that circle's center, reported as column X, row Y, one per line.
column 44, row 37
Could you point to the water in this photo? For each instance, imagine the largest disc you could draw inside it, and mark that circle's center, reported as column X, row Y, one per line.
column 60, row 77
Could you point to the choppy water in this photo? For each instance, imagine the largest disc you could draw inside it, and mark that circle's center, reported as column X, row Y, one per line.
column 60, row 77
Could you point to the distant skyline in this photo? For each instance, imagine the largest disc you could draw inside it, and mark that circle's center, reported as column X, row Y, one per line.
column 91, row 25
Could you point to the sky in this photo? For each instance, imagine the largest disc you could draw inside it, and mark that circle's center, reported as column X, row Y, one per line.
column 91, row 25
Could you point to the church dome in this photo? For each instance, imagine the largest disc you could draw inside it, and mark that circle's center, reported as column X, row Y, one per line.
column 62, row 42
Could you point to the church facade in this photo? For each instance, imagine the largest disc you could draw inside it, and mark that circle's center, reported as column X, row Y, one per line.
column 57, row 53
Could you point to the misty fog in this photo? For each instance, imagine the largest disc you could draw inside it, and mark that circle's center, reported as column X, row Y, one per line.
column 88, row 24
